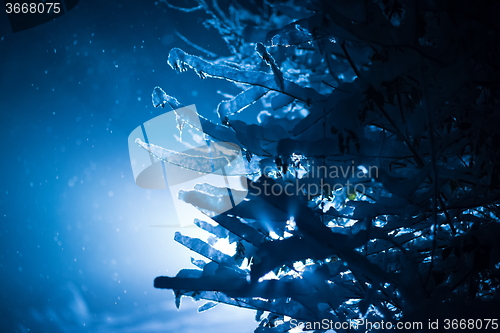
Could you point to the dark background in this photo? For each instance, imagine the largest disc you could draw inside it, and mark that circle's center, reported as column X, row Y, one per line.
column 78, row 253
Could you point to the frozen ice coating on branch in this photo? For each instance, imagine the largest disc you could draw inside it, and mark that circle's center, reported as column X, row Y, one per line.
column 185, row 117
column 160, row 98
column 181, row 61
column 240, row 102
column 293, row 34
column 219, row 158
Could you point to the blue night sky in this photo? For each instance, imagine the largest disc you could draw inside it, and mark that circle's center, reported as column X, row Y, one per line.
column 78, row 253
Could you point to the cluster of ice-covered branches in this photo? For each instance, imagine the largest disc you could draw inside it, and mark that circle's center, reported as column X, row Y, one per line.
column 404, row 95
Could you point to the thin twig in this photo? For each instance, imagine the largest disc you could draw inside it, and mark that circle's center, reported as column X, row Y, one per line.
column 448, row 218
column 416, row 156
column 356, row 71
column 199, row 48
